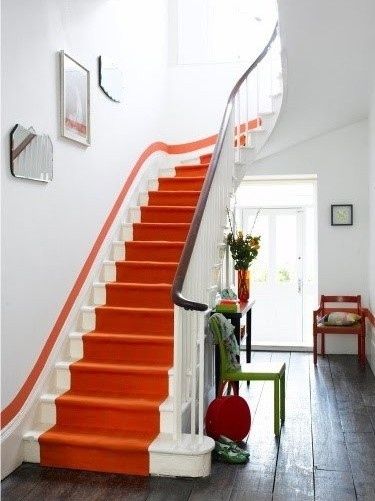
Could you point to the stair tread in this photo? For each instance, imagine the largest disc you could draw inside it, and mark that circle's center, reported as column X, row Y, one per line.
column 129, row 337
column 96, row 437
column 197, row 165
column 112, row 400
column 185, row 179
column 169, row 208
column 119, row 367
column 179, row 192
column 166, row 243
column 182, row 179
column 135, row 285
column 170, row 264
column 138, row 309
column 164, row 225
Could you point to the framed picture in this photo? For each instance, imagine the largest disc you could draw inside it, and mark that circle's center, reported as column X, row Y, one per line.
column 75, row 100
column 342, row 215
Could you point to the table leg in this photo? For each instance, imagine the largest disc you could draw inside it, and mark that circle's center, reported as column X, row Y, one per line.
column 248, row 336
column 237, row 332
column 276, row 407
column 282, row 397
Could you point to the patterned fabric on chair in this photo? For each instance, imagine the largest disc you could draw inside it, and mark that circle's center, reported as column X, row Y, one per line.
column 339, row 320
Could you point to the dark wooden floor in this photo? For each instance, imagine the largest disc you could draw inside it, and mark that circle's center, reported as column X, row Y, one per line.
column 326, row 450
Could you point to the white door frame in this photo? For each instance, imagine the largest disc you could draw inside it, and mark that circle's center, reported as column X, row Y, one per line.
column 303, row 346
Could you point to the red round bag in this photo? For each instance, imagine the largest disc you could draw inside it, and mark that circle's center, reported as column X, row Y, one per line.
column 229, row 416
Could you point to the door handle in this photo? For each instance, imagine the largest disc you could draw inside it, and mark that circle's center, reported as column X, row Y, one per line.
column 299, row 285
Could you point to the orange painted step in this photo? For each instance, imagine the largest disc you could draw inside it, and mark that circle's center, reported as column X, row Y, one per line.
column 129, row 320
column 172, row 232
column 181, row 183
column 89, row 449
column 129, row 294
column 191, row 170
column 130, row 380
column 128, row 348
column 123, row 413
column 205, row 159
column 167, row 214
column 159, row 251
column 176, row 198
column 145, row 271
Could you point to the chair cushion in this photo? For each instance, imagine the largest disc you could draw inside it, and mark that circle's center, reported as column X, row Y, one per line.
column 340, row 318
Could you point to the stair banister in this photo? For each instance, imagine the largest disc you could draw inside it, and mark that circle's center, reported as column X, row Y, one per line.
column 189, row 289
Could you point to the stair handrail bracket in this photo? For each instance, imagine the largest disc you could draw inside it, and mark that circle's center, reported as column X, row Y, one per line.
column 195, row 276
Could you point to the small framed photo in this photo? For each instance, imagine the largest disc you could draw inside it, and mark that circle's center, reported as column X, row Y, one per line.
column 74, row 100
column 342, row 215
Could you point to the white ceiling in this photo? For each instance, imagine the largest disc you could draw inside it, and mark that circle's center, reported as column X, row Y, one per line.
column 329, row 54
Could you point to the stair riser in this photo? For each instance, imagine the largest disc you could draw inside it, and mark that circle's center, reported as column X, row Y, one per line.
column 63, row 381
column 159, row 233
column 177, row 184
column 191, row 171
column 164, row 198
column 162, row 253
column 118, row 251
column 48, row 417
column 93, row 459
column 141, row 274
column 161, row 215
column 206, row 158
column 128, row 322
column 127, row 383
column 132, row 296
column 127, row 420
column 127, row 353
column 257, row 139
column 108, row 272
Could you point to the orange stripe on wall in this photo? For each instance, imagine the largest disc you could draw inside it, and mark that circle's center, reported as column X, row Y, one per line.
column 16, row 404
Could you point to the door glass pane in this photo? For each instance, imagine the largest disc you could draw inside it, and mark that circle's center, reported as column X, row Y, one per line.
column 286, row 248
column 260, row 266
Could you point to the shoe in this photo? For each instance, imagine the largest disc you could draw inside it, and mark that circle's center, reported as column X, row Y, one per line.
column 224, row 453
column 233, row 446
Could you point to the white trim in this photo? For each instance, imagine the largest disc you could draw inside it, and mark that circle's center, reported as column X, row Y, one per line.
column 281, row 347
column 286, row 177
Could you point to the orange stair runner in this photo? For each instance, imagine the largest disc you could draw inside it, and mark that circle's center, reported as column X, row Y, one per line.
column 110, row 415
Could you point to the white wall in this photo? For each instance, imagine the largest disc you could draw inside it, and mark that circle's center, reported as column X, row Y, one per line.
column 371, row 262
column 339, row 158
column 48, row 230
column 197, row 93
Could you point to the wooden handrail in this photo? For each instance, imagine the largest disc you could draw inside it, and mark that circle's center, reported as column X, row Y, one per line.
column 183, row 265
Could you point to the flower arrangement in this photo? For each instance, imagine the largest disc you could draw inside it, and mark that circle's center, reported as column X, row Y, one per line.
column 244, row 248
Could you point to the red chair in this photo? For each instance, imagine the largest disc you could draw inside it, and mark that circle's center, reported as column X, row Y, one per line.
column 359, row 328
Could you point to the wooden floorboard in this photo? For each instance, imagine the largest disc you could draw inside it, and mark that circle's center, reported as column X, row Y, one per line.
column 294, row 478
column 329, row 447
column 326, row 450
column 357, row 420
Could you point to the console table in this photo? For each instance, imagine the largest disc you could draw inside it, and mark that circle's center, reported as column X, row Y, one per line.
column 235, row 318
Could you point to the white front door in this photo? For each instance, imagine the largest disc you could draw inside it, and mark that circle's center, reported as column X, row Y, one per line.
column 277, row 276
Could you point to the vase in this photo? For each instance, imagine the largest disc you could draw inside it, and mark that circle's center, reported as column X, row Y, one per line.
column 243, row 285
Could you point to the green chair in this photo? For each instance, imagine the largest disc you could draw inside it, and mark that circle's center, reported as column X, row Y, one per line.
column 251, row 372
